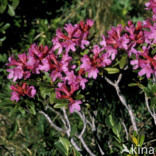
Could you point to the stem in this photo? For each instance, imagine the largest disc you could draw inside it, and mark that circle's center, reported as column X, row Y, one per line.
column 153, row 114
column 82, row 116
column 123, row 100
column 51, row 122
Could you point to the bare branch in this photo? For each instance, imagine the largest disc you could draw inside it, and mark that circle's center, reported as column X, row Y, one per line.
column 93, row 128
column 153, row 114
column 86, row 147
column 67, row 122
column 82, row 116
column 123, row 100
column 75, row 145
column 57, row 113
column 101, row 151
column 119, row 79
column 126, row 131
column 51, row 122
column 68, row 126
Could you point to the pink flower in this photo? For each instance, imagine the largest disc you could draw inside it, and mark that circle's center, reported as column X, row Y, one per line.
column 146, row 70
column 71, row 77
column 22, row 90
column 96, row 50
column 38, row 52
column 75, row 106
column 31, row 91
column 75, row 35
column 106, row 60
column 93, row 72
column 15, row 96
column 111, row 52
column 15, row 73
column 91, row 64
column 135, row 63
column 23, row 67
column 103, row 42
column 57, row 45
column 89, row 67
column 150, row 35
column 151, row 5
column 55, row 74
column 45, row 65
column 84, row 43
column 75, row 80
column 82, row 82
column 32, row 64
column 86, row 63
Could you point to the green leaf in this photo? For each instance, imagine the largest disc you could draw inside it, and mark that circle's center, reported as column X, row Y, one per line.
column 3, row 39
column 76, row 153
column 52, row 98
column 117, row 129
column 135, row 140
column 60, row 105
column 132, row 84
column 11, row 10
column 153, row 101
column 3, row 5
column 112, row 70
column 6, row 26
column 65, row 142
column 15, row 3
column 111, row 120
column 123, row 61
column 63, row 146
column 32, row 109
column 60, row 148
column 141, row 140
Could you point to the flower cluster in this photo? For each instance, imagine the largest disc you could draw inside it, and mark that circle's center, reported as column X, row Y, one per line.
column 76, row 35
column 68, row 75
column 56, row 61
column 22, row 90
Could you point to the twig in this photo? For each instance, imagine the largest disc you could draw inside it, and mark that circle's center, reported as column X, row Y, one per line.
column 123, row 100
column 51, row 122
column 56, row 112
column 126, row 131
column 153, row 114
column 82, row 116
column 67, row 122
column 75, row 145
column 94, row 130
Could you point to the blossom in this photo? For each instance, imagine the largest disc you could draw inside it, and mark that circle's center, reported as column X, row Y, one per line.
column 116, row 39
column 38, row 52
column 15, row 73
column 57, row 45
column 75, row 35
column 146, row 70
column 103, row 42
column 65, row 92
column 21, row 68
column 150, row 35
column 15, row 96
column 96, row 50
column 151, row 5
column 75, row 106
column 93, row 72
column 77, row 80
column 22, row 90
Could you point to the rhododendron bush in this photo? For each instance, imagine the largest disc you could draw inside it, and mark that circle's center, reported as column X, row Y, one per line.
column 78, row 77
